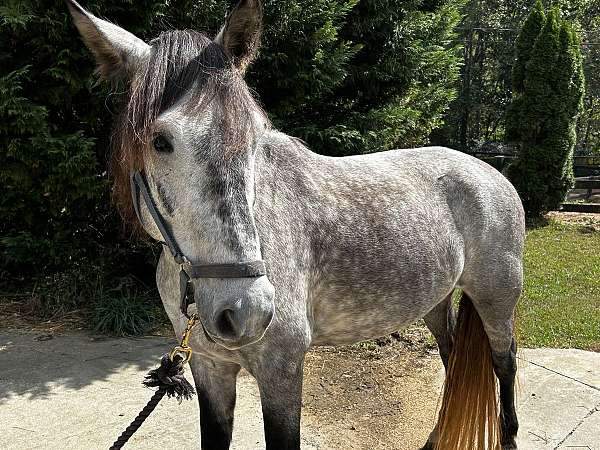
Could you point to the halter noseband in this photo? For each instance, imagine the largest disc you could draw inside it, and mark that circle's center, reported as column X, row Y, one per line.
column 188, row 271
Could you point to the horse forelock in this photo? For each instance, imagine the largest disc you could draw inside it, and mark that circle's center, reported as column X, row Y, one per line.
column 188, row 67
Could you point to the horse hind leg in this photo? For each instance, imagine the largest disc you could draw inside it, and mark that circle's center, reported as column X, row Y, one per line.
column 481, row 352
column 441, row 321
column 500, row 332
column 505, row 366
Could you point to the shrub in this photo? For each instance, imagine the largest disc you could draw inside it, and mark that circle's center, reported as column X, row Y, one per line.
column 543, row 117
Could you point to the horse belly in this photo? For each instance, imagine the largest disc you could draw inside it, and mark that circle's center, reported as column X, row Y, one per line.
column 336, row 326
column 348, row 311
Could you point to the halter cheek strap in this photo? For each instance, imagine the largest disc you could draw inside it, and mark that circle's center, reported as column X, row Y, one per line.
column 139, row 186
column 188, row 271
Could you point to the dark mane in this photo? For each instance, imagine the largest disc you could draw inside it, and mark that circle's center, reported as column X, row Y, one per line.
column 182, row 63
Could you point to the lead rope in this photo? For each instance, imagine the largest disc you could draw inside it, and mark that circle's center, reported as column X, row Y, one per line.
column 169, row 380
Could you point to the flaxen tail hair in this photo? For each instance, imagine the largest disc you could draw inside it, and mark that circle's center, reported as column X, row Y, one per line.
column 469, row 413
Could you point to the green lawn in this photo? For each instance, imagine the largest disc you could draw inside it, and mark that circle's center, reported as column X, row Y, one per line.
column 560, row 306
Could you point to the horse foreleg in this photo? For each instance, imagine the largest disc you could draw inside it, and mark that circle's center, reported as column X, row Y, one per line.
column 215, row 383
column 281, row 397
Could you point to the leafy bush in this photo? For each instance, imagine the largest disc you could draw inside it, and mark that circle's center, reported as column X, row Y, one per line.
column 109, row 302
column 360, row 76
column 54, row 135
column 542, row 120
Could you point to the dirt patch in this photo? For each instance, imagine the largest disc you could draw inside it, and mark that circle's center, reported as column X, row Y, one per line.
column 380, row 394
column 23, row 314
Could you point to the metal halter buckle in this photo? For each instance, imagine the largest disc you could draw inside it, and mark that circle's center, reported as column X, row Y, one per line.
column 183, row 348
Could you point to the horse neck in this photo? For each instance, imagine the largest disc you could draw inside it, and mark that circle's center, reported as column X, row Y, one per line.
column 286, row 166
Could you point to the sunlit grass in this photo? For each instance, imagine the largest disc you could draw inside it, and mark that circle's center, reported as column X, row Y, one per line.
column 560, row 306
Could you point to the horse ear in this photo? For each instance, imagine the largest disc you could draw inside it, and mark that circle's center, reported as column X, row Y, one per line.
column 117, row 51
column 241, row 33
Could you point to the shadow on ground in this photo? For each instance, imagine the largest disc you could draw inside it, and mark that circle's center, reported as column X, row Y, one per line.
column 35, row 364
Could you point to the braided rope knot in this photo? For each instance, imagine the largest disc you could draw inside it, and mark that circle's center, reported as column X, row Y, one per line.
column 169, row 377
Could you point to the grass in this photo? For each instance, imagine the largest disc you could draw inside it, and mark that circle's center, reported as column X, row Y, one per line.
column 126, row 310
column 560, row 306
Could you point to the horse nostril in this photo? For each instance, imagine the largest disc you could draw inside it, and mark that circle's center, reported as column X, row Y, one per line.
column 226, row 326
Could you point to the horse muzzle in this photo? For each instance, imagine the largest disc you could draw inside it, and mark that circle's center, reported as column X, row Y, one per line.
column 240, row 320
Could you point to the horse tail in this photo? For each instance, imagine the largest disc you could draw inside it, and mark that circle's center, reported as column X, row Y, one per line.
column 469, row 414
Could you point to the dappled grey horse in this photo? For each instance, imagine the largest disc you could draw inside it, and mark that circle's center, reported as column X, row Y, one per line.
column 354, row 247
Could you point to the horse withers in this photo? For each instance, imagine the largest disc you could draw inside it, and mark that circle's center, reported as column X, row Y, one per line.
column 354, row 247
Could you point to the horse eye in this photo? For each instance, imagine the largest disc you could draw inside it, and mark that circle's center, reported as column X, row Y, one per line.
column 161, row 144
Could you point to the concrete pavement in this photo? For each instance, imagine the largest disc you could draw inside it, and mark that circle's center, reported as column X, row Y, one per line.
column 79, row 392
column 559, row 399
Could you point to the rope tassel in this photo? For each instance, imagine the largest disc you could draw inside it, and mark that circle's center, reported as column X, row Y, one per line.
column 169, row 376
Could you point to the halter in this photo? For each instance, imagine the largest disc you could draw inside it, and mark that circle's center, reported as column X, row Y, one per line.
column 188, row 271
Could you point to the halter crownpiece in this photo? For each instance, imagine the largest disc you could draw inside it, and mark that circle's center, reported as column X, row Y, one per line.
column 189, row 271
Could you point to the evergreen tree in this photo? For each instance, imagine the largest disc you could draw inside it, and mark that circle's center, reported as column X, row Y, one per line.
column 361, row 76
column 54, row 134
column 489, row 32
column 543, row 117
column 524, row 45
